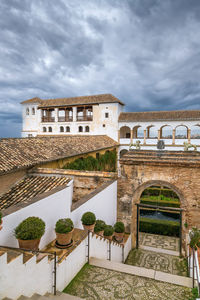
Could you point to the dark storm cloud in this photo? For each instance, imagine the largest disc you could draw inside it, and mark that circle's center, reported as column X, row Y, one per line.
column 146, row 52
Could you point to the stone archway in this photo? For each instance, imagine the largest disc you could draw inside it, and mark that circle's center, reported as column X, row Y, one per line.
column 136, row 200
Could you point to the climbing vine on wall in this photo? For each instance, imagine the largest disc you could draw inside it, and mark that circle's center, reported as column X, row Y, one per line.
column 105, row 162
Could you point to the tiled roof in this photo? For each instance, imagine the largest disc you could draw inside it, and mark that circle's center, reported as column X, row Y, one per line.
column 160, row 116
column 93, row 99
column 29, row 188
column 23, row 152
column 160, row 158
column 32, row 100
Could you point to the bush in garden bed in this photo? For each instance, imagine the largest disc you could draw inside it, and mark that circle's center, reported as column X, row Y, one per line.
column 64, row 225
column 158, row 202
column 119, row 227
column 30, row 229
column 170, row 228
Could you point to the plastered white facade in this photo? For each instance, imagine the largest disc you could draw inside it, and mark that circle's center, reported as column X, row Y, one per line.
column 17, row 278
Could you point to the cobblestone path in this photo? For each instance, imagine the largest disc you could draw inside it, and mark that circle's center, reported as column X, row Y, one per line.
column 94, row 283
column 157, row 261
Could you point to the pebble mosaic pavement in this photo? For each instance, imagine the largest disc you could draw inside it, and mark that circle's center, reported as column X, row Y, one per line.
column 94, row 283
column 159, row 241
column 157, row 261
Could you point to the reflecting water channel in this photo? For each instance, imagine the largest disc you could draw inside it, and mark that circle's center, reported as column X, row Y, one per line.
column 159, row 215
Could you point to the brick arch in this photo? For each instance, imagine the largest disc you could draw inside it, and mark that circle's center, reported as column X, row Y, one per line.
column 138, row 192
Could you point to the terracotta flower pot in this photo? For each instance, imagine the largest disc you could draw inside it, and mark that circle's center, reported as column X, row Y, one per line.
column 64, row 238
column 1, row 224
column 29, row 244
column 109, row 237
column 100, row 233
column 89, row 227
column 119, row 236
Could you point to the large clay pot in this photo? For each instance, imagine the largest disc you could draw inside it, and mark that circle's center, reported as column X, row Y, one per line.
column 89, row 227
column 29, row 244
column 109, row 237
column 64, row 238
column 119, row 236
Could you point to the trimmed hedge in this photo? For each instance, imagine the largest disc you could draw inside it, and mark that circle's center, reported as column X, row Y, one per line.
column 158, row 191
column 170, row 228
column 160, row 202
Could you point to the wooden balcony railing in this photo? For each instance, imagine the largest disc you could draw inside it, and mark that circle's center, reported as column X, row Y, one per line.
column 48, row 119
column 65, row 119
column 84, row 118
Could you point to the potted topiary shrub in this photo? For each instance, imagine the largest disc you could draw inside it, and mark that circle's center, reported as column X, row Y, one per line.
column 88, row 220
column 29, row 233
column 1, row 220
column 64, row 230
column 119, row 229
column 108, row 232
column 99, row 227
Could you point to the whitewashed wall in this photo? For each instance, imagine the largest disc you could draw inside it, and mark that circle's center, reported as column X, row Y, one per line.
column 103, row 205
column 26, row 279
column 49, row 209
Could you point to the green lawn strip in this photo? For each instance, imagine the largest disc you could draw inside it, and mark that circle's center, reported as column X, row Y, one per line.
column 69, row 288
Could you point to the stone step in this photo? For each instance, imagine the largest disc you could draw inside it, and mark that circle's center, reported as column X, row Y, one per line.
column 143, row 272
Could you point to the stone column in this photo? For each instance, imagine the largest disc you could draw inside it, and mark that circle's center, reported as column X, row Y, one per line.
column 131, row 136
column 159, row 137
column 173, row 136
column 56, row 115
column 189, row 136
column 119, row 135
column 145, row 135
column 74, row 113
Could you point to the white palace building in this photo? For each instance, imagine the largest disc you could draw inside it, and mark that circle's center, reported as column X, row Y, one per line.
column 104, row 115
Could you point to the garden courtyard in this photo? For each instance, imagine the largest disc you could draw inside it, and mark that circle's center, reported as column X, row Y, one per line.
column 94, row 283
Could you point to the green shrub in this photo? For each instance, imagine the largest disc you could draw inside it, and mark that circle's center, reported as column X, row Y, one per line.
column 108, row 230
column 105, row 162
column 64, row 225
column 99, row 226
column 88, row 218
column 30, row 229
column 162, row 227
column 119, row 227
column 194, row 238
column 195, row 294
column 158, row 202
column 169, row 193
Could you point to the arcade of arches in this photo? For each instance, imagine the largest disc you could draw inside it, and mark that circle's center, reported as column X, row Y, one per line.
column 178, row 171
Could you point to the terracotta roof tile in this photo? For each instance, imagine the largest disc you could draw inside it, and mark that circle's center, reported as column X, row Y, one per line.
column 30, row 187
column 93, row 99
column 160, row 116
column 32, row 100
column 16, row 153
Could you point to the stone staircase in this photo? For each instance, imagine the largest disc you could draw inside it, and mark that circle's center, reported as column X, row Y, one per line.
column 48, row 296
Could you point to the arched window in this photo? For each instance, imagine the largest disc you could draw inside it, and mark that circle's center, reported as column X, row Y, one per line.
column 181, row 132
column 195, row 132
column 152, row 132
column 67, row 129
column 50, row 129
column 44, row 129
column 140, row 132
column 27, row 111
column 80, row 129
column 166, row 132
column 61, row 129
column 33, row 111
column 125, row 132
column 87, row 129
column 122, row 152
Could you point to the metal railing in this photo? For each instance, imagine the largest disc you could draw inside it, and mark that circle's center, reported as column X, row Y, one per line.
column 48, row 119
column 38, row 252
column 193, row 266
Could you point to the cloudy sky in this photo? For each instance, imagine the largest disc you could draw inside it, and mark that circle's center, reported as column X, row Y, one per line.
column 145, row 52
